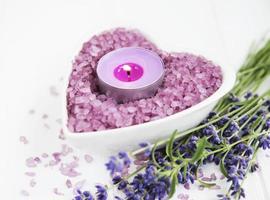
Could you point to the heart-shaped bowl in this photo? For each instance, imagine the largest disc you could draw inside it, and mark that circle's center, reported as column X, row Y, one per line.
column 127, row 138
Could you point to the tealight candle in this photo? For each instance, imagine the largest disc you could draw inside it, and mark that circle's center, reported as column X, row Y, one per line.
column 130, row 73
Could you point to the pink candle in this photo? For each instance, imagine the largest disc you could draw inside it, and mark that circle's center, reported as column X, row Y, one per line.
column 130, row 73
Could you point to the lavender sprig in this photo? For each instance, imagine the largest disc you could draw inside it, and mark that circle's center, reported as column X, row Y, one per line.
column 229, row 137
column 228, row 142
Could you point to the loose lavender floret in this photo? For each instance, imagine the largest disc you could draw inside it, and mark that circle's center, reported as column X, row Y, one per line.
column 118, row 165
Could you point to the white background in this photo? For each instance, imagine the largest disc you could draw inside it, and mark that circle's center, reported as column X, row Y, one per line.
column 39, row 39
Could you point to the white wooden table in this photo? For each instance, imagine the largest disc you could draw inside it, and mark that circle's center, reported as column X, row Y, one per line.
column 39, row 39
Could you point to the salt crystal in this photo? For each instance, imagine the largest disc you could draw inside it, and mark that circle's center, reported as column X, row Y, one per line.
column 31, row 174
column 175, row 104
column 131, row 109
column 187, row 186
column 32, row 111
column 47, row 126
column 216, row 187
column 222, row 177
column 44, row 155
column 57, row 192
column 169, row 111
column 96, row 103
column 183, row 196
column 59, row 121
column 85, row 90
column 68, row 183
column 201, row 187
column 68, row 169
column 207, row 179
column 81, row 99
column 37, row 159
column 23, row 140
column 53, row 91
column 25, row 193
column 213, row 176
column 88, row 158
column 32, row 183
column 139, row 162
column 44, row 116
column 56, row 156
column 30, row 162
column 66, row 150
column 61, row 135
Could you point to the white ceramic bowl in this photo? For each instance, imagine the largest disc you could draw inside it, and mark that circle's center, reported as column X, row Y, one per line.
column 127, row 138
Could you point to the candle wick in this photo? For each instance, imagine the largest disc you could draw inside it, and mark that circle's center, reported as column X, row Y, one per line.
column 128, row 73
column 127, row 68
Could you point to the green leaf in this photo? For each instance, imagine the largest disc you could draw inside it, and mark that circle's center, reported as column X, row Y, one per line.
column 206, row 184
column 153, row 156
column 169, row 146
column 222, row 165
column 174, row 182
column 179, row 156
column 201, row 145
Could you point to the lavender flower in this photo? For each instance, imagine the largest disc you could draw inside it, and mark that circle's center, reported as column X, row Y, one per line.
column 264, row 142
column 118, row 165
column 101, row 193
column 209, row 130
column 254, row 167
column 233, row 98
column 223, row 121
column 223, row 197
column 126, row 160
column 231, row 129
column 243, row 120
column 114, row 165
column 248, row 95
column 267, row 124
column 86, row 195
column 266, row 103
column 192, row 142
column 145, row 185
column 211, row 115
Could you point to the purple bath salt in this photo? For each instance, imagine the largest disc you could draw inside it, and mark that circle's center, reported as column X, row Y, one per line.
column 188, row 80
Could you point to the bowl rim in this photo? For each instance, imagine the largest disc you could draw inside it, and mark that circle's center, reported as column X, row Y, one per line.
column 228, row 80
